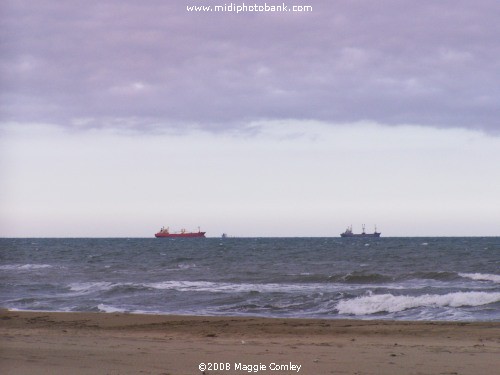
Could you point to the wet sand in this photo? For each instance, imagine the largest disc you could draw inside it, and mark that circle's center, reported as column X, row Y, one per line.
column 108, row 343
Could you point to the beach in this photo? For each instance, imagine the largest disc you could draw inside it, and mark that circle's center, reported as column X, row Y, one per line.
column 117, row 343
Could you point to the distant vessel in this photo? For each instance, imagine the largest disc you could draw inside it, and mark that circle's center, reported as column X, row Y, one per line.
column 165, row 232
column 348, row 233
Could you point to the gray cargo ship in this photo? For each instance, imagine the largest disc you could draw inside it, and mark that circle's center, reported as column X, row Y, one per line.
column 349, row 233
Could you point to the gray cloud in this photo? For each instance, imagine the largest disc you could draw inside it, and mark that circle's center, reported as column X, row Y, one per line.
column 153, row 64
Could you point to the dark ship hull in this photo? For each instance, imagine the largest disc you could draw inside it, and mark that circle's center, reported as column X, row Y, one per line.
column 376, row 234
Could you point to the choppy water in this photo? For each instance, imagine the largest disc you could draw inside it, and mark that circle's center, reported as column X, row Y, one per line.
column 385, row 278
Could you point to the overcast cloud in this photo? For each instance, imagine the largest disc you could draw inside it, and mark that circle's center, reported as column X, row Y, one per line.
column 150, row 64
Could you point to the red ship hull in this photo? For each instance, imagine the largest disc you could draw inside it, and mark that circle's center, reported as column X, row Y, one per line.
column 180, row 235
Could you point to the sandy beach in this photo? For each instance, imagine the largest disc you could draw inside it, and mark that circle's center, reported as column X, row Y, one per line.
column 107, row 343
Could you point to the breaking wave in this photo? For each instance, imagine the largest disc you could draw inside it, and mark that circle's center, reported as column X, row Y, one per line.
column 373, row 304
column 481, row 277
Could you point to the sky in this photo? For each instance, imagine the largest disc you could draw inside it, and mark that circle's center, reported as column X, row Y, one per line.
column 119, row 117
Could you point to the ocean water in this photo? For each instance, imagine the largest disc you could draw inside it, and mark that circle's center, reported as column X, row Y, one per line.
column 447, row 279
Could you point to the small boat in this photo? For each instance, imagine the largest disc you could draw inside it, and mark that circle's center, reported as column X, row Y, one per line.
column 349, row 233
column 165, row 232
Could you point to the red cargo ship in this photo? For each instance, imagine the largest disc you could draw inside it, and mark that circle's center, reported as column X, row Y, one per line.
column 165, row 232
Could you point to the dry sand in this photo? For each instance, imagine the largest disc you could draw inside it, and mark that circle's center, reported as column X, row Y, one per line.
column 100, row 343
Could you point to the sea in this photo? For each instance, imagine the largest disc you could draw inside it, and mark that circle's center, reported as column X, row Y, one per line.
column 424, row 279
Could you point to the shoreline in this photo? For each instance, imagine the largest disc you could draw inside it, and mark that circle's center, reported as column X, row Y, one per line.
column 121, row 343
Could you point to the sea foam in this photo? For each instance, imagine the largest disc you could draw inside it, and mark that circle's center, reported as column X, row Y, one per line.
column 222, row 287
column 18, row 267
column 109, row 309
